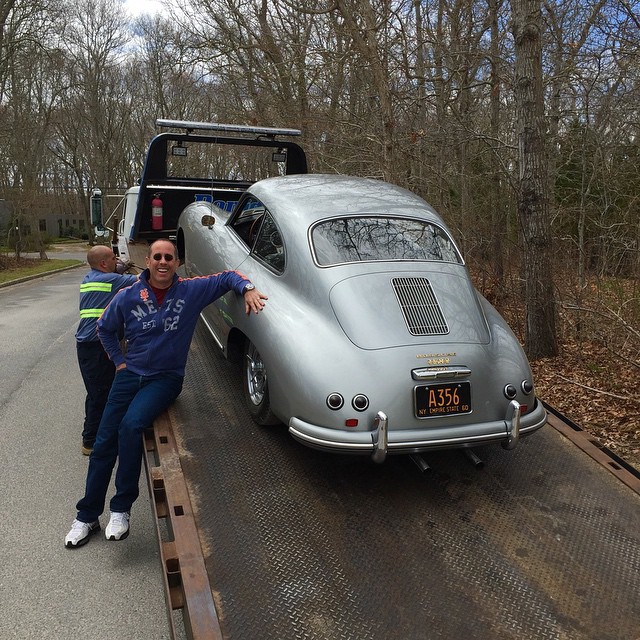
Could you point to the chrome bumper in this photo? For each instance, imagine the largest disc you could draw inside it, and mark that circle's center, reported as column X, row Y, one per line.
column 380, row 442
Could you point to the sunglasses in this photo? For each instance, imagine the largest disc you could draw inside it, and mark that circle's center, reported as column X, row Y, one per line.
column 158, row 256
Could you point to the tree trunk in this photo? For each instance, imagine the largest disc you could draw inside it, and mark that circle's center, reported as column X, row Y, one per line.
column 533, row 182
column 498, row 219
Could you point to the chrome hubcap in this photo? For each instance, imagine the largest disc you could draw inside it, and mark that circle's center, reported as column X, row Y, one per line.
column 256, row 376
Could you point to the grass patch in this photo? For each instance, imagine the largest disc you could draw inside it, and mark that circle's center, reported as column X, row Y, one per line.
column 26, row 268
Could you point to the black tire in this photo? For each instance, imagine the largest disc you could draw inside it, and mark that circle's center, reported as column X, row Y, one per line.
column 256, row 389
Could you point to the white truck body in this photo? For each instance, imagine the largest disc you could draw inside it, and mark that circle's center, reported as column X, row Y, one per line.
column 127, row 223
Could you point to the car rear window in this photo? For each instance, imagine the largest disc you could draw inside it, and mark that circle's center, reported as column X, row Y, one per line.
column 361, row 239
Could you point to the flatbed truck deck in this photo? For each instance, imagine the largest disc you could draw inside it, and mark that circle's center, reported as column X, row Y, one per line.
column 537, row 543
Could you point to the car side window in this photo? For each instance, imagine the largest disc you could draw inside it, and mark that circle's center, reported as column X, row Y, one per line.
column 269, row 246
column 247, row 223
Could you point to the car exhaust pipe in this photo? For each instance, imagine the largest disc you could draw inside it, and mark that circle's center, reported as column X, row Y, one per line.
column 473, row 458
column 513, row 426
column 380, row 438
column 421, row 463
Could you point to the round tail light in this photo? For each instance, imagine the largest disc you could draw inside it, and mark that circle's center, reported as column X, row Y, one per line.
column 510, row 392
column 360, row 402
column 527, row 387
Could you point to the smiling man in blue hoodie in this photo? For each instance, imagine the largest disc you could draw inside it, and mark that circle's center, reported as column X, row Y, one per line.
column 158, row 314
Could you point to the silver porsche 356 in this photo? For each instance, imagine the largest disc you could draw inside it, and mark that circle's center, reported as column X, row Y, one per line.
column 374, row 340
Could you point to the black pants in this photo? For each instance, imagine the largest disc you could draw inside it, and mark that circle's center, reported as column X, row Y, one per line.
column 97, row 373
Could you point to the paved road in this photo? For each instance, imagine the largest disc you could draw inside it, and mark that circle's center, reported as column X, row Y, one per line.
column 106, row 589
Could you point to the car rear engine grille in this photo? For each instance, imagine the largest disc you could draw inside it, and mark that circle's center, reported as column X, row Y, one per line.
column 419, row 306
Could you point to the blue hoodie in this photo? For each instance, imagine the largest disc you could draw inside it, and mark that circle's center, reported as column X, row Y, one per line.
column 158, row 339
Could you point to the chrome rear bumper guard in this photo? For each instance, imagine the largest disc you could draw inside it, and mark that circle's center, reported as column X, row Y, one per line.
column 380, row 438
column 513, row 426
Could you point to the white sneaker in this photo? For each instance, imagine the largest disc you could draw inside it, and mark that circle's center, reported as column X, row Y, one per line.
column 118, row 527
column 80, row 533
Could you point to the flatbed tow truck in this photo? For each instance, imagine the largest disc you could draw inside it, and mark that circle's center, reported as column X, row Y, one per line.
column 262, row 538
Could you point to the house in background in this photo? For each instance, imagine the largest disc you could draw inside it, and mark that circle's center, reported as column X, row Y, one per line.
column 53, row 218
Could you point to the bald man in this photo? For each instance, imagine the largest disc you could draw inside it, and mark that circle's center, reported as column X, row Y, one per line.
column 96, row 291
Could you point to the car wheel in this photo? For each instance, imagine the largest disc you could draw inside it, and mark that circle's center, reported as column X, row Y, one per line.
column 256, row 389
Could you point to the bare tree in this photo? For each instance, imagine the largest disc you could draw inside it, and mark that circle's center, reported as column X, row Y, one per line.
column 533, row 193
column 95, row 112
column 11, row 32
column 28, row 96
column 255, row 54
column 369, row 32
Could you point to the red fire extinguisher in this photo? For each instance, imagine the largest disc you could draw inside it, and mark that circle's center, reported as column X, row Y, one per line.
column 156, row 213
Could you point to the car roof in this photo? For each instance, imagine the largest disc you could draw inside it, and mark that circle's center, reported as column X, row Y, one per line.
column 304, row 199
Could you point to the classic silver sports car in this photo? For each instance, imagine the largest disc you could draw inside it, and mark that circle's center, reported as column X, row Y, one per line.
column 374, row 340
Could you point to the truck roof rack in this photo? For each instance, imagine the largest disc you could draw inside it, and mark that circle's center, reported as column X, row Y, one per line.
column 227, row 128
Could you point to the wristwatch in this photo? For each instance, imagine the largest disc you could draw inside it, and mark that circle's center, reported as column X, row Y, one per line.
column 248, row 287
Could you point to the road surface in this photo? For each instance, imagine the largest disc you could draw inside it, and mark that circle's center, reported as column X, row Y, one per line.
column 105, row 589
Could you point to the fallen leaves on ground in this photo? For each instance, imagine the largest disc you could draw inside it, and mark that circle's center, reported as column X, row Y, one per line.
column 595, row 378
column 596, row 391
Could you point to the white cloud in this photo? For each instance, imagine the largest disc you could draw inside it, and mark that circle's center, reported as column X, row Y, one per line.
column 139, row 7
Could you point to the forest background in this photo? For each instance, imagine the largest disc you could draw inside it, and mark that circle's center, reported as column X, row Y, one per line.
column 517, row 120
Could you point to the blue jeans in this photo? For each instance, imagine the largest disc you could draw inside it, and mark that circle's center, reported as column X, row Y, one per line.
column 97, row 373
column 134, row 403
